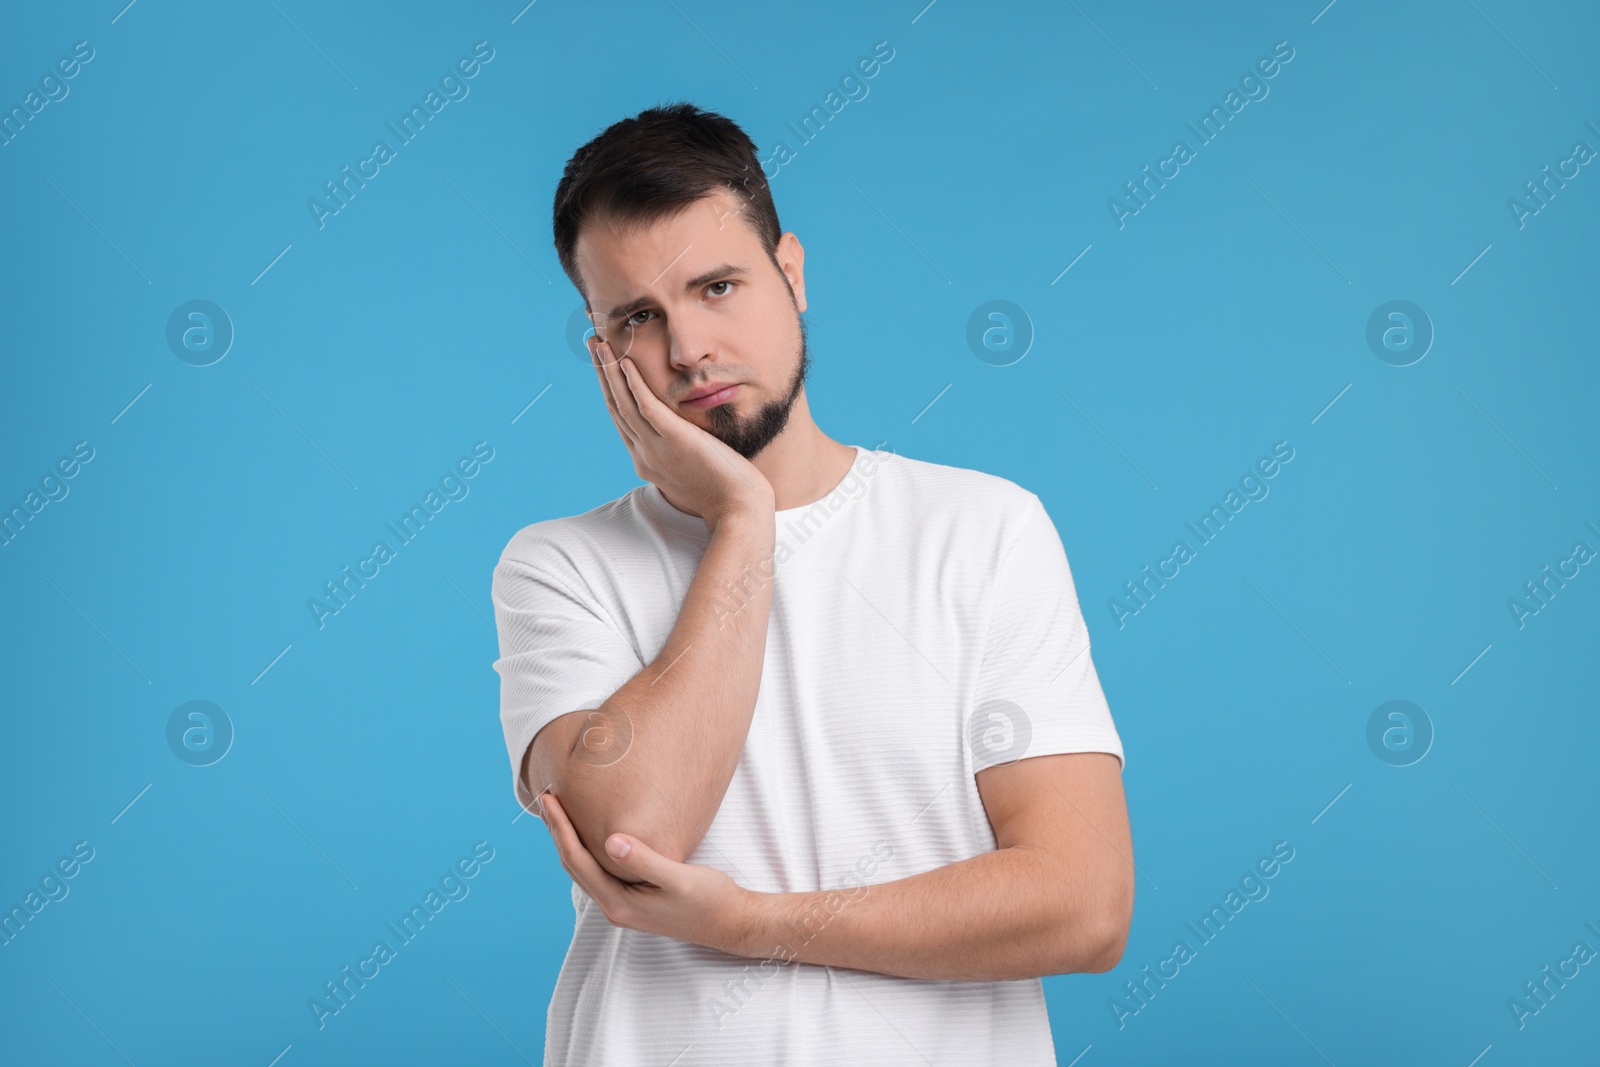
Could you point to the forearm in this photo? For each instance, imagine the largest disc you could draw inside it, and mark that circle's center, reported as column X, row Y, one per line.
column 1010, row 913
column 657, row 759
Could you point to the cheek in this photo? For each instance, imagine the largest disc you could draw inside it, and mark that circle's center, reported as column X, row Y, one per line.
column 654, row 380
column 775, row 327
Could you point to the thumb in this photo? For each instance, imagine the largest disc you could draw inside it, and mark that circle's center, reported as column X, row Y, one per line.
column 637, row 856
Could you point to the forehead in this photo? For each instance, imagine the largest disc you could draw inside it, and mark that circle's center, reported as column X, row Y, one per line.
column 623, row 263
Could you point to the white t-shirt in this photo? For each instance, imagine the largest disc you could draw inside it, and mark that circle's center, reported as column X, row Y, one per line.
column 924, row 626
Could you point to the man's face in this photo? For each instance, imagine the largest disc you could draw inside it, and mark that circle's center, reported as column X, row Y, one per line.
column 694, row 301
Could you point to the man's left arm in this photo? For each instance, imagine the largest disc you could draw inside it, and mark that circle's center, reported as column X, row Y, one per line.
column 1055, row 895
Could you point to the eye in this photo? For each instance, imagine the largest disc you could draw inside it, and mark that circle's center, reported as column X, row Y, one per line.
column 630, row 324
column 715, row 284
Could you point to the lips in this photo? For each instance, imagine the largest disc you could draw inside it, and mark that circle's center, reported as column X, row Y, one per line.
column 712, row 395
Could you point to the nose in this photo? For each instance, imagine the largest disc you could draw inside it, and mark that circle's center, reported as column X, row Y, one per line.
column 690, row 339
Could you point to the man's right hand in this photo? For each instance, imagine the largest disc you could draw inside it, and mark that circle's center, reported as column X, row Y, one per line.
column 690, row 465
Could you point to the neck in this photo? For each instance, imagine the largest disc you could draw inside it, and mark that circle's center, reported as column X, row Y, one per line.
column 802, row 463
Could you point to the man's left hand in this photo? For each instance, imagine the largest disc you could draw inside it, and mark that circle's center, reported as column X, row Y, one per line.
column 685, row 901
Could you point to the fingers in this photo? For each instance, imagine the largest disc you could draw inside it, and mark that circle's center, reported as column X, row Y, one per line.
column 648, row 404
column 607, row 393
column 604, row 888
column 619, row 398
column 624, row 393
column 583, row 868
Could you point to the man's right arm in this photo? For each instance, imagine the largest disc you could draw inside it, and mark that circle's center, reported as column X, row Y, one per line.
column 655, row 759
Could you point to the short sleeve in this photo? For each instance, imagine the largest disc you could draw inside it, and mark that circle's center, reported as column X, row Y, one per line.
column 558, row 653
column 1037, row 693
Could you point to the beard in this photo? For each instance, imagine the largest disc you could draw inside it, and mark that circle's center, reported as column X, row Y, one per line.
column 749, row 435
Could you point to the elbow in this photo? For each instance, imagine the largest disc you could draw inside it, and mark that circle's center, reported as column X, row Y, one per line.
column 1083, row 945
column 1115, row 920
column 1106, row 949
column 598, row 809
column 1103, row 938
column 594, row 824
column 600, row 803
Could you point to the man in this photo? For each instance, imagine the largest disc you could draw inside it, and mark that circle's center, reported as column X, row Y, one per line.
column 815, row 729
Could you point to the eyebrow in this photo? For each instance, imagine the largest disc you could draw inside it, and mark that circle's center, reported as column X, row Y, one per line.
column 717, row 273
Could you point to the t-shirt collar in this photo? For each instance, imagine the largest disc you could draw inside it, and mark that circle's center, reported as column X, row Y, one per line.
column 694, row 526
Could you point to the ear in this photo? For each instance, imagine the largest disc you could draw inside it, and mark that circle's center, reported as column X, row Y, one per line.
column 791, row 256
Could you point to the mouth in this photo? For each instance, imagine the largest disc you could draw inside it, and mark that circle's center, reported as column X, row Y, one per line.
column 712, row 395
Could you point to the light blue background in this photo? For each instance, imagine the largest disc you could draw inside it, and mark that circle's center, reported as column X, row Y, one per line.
column 1226, row 316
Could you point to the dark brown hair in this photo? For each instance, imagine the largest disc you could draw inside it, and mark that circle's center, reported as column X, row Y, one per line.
column 649, row 167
